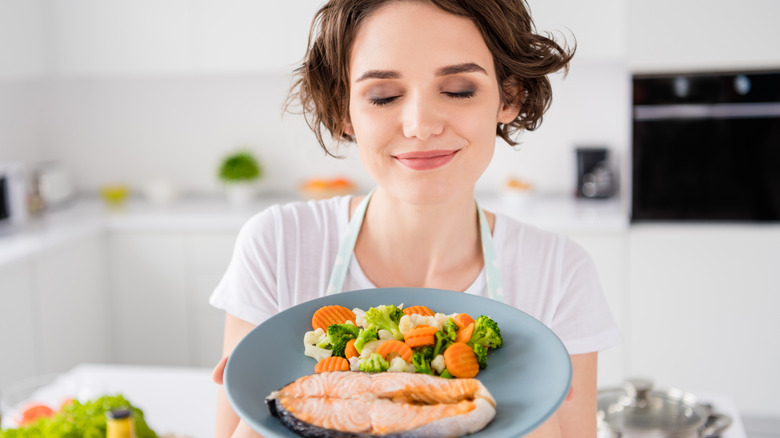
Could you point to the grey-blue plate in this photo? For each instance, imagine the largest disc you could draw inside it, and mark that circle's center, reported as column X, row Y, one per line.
column 529, row 376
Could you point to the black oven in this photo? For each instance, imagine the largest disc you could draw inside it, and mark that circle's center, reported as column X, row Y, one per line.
column 706, row 147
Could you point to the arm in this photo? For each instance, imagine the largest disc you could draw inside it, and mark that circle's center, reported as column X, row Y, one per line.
column 227, row 420
column 577, row 415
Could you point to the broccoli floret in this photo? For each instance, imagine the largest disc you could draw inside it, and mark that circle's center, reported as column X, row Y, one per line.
column 369, row 334
column 426, row 351
column 374, row 364
column 446, row 374
column 339, row 335
column 421, row 363
column 385, row 317
column 450, row 328
column 486, row 333
column 481, row 352
column 445, row 337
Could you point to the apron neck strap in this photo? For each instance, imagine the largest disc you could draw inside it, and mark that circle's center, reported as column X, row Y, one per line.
column 347, row 247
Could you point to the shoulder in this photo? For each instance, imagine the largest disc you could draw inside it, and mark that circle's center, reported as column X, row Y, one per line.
column 305, row 215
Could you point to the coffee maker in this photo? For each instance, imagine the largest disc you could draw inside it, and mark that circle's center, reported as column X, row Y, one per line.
column 594, row 177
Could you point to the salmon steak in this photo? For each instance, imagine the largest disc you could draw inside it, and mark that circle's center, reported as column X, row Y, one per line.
column 357, row 405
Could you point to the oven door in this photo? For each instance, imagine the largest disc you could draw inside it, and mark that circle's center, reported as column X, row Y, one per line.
column 706, row 169
column 699, row 161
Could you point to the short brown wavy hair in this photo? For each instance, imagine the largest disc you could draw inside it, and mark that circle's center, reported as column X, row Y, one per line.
column 522, row 57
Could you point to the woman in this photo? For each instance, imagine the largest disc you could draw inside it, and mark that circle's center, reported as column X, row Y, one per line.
column 423, row 88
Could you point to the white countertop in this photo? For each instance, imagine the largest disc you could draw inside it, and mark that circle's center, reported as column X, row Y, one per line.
column 175, row 400
column 182, row 401
column 90, row 216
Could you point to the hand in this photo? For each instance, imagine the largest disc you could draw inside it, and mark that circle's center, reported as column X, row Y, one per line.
column 219, row 371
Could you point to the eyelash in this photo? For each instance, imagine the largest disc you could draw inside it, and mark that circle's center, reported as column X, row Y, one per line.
column 381, row 101
column 461, row 94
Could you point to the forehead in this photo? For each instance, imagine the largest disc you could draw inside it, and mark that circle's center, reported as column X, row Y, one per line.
column 416, row 36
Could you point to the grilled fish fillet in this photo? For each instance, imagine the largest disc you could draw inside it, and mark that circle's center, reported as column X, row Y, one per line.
column 354, row 404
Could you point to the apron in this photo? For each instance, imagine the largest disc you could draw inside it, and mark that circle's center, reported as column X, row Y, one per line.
column 347, row 246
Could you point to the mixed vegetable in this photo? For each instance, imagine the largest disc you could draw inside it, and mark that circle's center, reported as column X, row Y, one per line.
column 75, row 419
column 391, row 338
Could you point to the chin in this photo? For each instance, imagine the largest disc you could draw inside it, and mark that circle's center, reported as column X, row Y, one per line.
column 430, row 194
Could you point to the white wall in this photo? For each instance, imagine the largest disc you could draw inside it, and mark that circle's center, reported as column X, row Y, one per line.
column 125, row 107
column 683, row 35
column 21, row 115
column 133, row 129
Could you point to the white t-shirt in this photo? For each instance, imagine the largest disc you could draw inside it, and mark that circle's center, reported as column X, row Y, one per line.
column 284, row 256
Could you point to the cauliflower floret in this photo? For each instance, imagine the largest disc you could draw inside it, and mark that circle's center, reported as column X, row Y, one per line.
column 405, row 324
column 310, row 341
column 426, row 320
column 360, row 317
column 369, row 348
column 316, row 352
column 442, row 318
column 438, row 364
column 385, row 335
column 354, row 363
column 314, row 337
column 398, row 365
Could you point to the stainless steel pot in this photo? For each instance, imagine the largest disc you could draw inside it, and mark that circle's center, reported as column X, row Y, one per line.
column 639, row 411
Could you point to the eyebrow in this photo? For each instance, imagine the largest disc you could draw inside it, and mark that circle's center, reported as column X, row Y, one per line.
column 466, row 67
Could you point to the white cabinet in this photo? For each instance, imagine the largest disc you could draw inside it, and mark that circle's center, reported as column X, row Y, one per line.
column 71, row 305
column 21, row 39
column 148, row 298
column 208, row 255
column 97, row 37
column 160, row 283
column 17, row 329
column 684, row 35
column 53, row 310
column 94, row 37
column 703, row 310
column 250, row 35
column 598, row 26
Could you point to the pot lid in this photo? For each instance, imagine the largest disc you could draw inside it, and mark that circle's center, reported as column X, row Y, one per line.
column 637, row 407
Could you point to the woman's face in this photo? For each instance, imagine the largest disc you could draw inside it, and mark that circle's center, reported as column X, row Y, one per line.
column 424, row 102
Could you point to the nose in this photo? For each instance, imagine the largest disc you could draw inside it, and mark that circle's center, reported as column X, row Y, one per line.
column 422, row 117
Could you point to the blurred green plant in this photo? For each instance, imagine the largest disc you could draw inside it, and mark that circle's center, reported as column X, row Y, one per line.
column 241, row 166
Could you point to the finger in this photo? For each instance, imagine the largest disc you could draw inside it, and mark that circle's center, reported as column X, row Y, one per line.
column 219, row 371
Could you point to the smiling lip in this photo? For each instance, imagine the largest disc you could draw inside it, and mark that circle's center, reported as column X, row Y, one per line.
column 426, row 160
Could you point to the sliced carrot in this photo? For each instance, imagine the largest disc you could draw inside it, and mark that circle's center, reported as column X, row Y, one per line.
column 419, row 341
column 461, row 361
column 332, row 363
column 420, row 330
column 350, row 350
column 329, row 315
column 464, row 334
column 463, row 319
column 395, row 346
column 418, row 310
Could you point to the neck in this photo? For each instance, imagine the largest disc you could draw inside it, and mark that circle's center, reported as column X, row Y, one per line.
column 418, row 244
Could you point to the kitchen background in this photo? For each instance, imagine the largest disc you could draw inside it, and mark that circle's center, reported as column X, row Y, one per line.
column 157, row 92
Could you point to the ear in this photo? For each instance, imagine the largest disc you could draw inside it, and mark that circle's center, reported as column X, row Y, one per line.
column 347, row 127
column 511, row 103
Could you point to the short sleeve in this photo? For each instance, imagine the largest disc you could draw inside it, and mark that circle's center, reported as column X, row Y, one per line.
column 582, row 318
column 248, row 288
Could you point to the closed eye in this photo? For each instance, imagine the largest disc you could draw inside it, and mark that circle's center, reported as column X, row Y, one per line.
column 460, row 94
column 380, row 101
